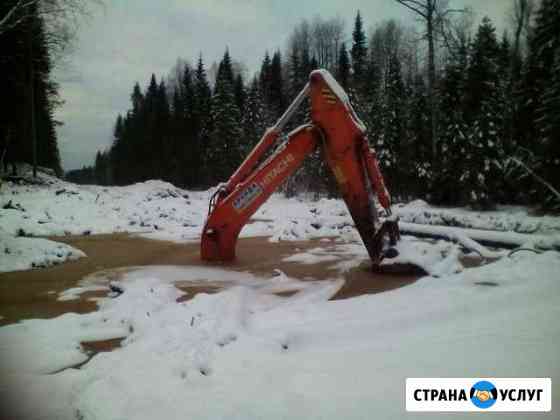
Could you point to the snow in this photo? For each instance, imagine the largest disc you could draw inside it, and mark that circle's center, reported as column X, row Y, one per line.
column 65, row 209
column 159, row 210
column 505, row 218
column 17, row 253
column 437, row 258
column 247, row 353
column 469, row 237
column 313, row 256
column 341, row 94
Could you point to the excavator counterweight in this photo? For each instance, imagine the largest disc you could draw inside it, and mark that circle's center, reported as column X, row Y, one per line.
column 338, row 131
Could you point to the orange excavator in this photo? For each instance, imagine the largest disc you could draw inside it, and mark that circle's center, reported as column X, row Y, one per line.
column 339, row 132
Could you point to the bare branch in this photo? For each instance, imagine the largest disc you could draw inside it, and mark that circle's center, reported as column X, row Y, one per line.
column 554, row 191
column 5, row 23
column 449, row 11
column 414, row 6
column 418, row 3
column 520, row 19
column 9, row 14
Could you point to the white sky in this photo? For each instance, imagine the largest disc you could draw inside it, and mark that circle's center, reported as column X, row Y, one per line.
column 127, row 40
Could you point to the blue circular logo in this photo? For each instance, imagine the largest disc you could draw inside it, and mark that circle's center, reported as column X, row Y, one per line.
column 483, row 394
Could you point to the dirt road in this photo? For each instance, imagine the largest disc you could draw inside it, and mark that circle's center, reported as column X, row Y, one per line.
column 33, row 294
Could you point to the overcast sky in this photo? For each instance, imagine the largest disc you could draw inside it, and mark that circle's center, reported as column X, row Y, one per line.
column 127, row 40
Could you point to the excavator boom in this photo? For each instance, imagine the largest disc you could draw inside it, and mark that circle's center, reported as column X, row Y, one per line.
column 341, row 135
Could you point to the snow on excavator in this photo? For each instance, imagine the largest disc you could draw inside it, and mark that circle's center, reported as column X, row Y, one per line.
column 338, row 131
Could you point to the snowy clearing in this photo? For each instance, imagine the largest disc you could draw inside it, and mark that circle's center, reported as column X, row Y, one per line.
column 159, row 210
column 247, row 353
column 266, row 346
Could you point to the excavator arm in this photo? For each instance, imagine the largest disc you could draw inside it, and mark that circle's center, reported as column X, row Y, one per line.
column 232, row 209
column 338, row 131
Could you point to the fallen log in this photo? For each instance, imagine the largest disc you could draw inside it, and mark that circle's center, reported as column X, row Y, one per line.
column 478, row 239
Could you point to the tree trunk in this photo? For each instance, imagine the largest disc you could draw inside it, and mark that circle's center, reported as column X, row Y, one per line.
column 31, row 87
column 3, row 161
column 432, row 78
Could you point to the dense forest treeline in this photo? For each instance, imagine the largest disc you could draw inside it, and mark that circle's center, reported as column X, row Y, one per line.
column 29, row 96
column 490, row 135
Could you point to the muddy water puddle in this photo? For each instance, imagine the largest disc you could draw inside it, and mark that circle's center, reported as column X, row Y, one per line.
column 34, row 294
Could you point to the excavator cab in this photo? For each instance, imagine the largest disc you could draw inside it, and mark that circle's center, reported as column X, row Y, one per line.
column 336, row 129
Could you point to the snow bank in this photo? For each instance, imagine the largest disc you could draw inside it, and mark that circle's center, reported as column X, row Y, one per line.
column 504, row 219
column 244, row 353
column 17, row 253
column 61, row 208
column 437, row 258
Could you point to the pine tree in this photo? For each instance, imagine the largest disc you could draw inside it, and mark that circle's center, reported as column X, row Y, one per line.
column 276, row 95
column 225, row 69
column 118, row 152
column 240, row 93
column 25, row 52
column 358, row 80
column 313, row 64
column 202, row 121
column 265, row 76
column 343, row 67
column 253, row 118
column 358, row 52
column 505, row 74
column 162, row 134
column 137, row 98
column 47, row 145
column 134, row 138
column 448, row 184
column 98, row 170
column 298, row 74
column 371, row 104
column 178, row 138
column 188, row 98
column 188, row 147
column 485, row 109
column 145, row 132
column 512, row 189
column 388, row 144
column 415, row 153
column 224, row 147
column 545, row 53
column 45, row 100
column 295, row 80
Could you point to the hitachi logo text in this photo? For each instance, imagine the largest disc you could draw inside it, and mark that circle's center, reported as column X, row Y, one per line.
column 278, row 169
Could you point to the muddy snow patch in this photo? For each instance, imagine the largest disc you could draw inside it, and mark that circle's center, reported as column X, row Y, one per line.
column 20, row 253
column 313, row 256
column 437, row 258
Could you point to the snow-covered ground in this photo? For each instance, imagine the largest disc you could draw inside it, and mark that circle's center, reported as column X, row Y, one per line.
column 504, row 218
column 17, row 253
column 159, row 210
column 245, row 353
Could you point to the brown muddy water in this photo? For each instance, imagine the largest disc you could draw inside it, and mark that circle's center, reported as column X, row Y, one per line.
column 33, row 294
